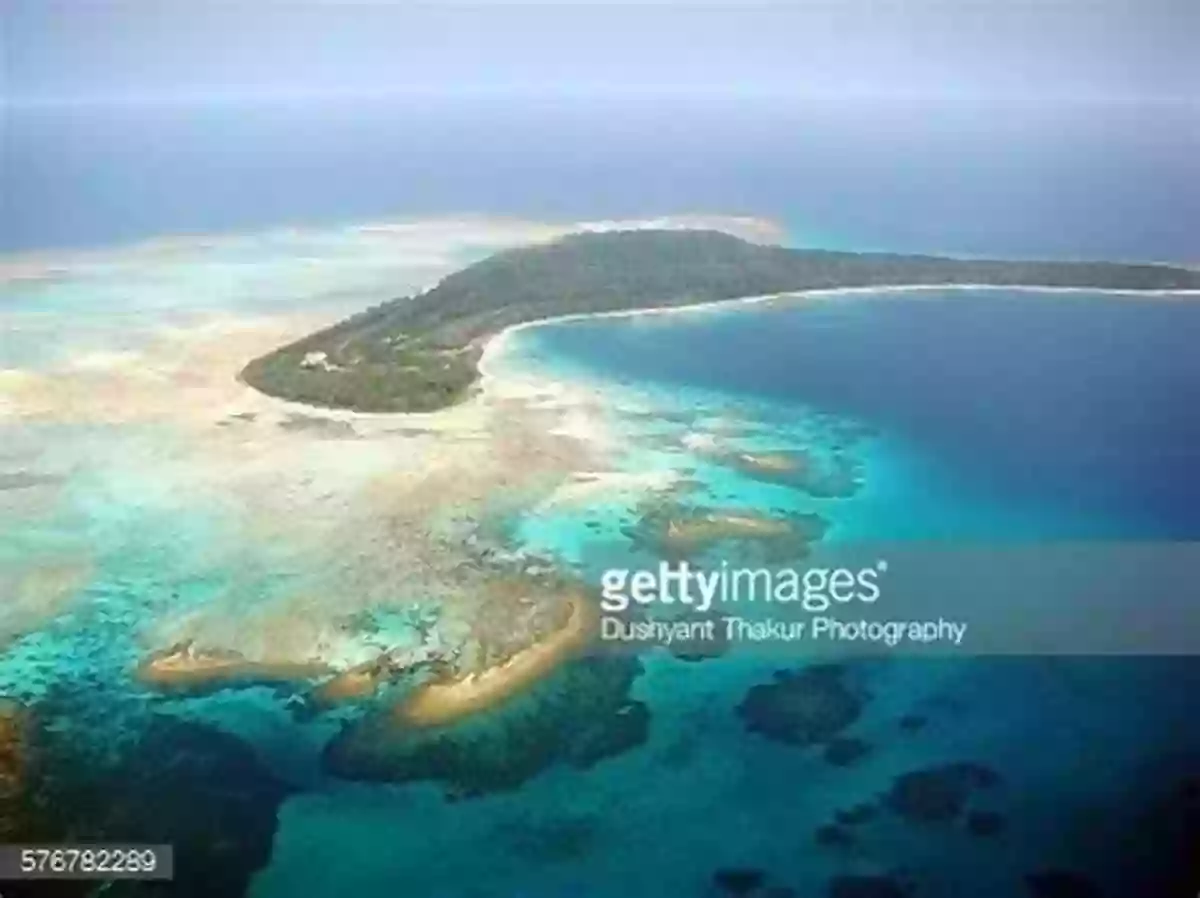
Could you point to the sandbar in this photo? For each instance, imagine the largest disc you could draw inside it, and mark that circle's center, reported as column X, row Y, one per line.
column 442, row 702
column 183, row 667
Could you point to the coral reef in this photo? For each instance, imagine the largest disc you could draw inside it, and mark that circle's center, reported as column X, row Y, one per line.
column 516, row 646
column 548, row 841
column 802, row 708
column 739, row 880
column 15, row 728
column 911, row 723
column 857, row 815
column 836, row 477
column 938, row 794
column 843, row 751
column 180, row 783
column 678, row 531
column 866, row 887
column 985, row 823
column 579, row 715
column 188, row 669
column 830, row 835
column 1060, row 884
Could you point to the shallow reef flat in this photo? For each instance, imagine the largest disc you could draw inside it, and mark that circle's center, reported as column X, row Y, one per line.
column 678, row 531
column 830, row 476
column 226, row 597
column 177, row 534
column 37, row 588
column 184, row 668
column 356, row 684
column 579, row 714
column 522, row 694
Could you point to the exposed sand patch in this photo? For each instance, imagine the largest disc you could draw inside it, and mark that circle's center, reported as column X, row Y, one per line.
column 442, row 702
column 692, row 533
column 185, row 668
column 353, row 685
column 589, row 487
column 769, row 461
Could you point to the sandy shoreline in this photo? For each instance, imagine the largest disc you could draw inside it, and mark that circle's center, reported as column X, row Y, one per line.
column 440, row 703
column 496, row 345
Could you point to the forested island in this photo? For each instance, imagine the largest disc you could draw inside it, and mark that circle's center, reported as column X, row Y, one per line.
column 419, row 353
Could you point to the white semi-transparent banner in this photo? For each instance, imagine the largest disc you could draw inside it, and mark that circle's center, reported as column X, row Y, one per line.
column 910, row 598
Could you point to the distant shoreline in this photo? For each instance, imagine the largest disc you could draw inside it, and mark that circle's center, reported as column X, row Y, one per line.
column 495, row 345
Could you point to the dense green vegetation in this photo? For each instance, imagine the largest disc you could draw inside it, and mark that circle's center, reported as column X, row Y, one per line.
column 420, row 353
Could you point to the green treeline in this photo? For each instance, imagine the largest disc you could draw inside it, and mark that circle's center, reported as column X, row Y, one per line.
column 419, row 353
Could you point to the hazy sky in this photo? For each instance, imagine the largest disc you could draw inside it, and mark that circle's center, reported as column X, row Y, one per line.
column 1031, row 50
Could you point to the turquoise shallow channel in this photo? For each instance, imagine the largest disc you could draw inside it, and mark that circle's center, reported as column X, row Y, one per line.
column 987, row 416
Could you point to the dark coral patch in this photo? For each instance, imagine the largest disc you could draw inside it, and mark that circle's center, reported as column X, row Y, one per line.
column 938, row 794
column 16, row 726
column 844, row 751
column 1157, row 851
column 678, row 531
column 832, row 836
column 554, row 841
column 739, row 880
column 1061, row 884
column 857, row 815
column 866, row 887
column 578, row 716
column 911, row 723
column 802, row 708
column 985, row 823
column 202, row 791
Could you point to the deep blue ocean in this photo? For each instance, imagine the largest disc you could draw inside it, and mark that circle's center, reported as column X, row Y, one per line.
column 1088, row 181
column 994, row 417
column 1073, row 400
column 966, row 415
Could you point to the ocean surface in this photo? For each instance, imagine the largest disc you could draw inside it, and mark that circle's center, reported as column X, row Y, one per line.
column 1060, row 404
column 964, row 416
column 983, row 416
column 1086, row 181
column 980, row 416
column 970, row 416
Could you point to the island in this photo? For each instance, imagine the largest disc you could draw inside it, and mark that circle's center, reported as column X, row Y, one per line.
column 421, row 353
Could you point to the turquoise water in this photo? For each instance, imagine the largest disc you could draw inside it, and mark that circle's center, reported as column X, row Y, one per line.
column 986, row 416
column 1084, row 748
column 958, row 417
column 1057, row 404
